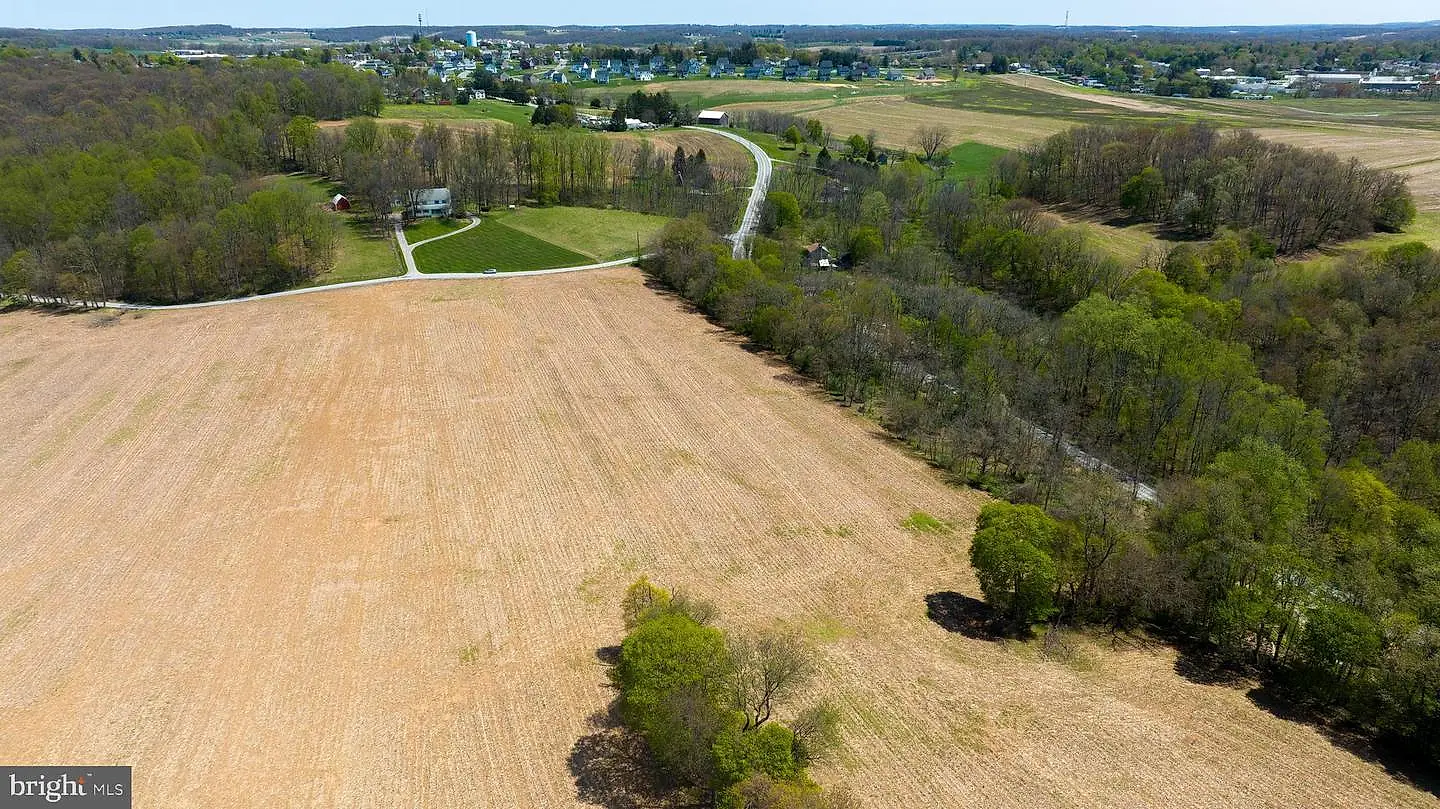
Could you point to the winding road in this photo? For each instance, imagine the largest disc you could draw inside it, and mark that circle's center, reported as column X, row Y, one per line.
column 763, row 167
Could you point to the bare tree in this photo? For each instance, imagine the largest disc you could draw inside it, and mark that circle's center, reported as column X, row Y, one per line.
column 767, row 668
column 932, row 139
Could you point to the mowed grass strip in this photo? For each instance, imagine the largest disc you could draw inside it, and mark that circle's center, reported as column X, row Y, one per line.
column 972, row 161
column 494, row 244
column 480, row 108
column 599, row 234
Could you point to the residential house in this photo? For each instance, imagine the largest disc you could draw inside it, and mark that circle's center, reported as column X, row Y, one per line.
column 429, row 203
column 817, row 257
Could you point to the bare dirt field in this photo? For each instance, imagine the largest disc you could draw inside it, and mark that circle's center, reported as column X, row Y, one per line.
column 721, row 153
column 359, row 549
column 896, row 120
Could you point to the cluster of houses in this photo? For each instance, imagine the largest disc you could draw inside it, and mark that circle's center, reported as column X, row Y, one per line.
column 1396, row 78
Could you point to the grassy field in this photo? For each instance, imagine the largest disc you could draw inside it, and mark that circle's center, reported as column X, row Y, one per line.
column 493, row 243
column 896, row 118
column 600, row 235
column 717, row 92
column 971, row 161
column 386, row 530
column 420, row 230
column 488, row 109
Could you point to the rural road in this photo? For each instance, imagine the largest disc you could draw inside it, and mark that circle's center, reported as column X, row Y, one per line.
column 740, row 238
column 763, row 167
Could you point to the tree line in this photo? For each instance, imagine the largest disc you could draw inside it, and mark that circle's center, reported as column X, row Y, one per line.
column 1288, row 420
column 1196, row 179
column 506, row 165
column 142, row 183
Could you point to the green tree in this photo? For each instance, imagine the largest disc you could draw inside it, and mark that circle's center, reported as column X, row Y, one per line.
column 781, row 210
column 815, row 132
column 865, row 244
column 792, row 136
column 1143, row 192
column 1016, row 574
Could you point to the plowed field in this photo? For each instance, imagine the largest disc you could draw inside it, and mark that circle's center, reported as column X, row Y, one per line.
column 359, row 549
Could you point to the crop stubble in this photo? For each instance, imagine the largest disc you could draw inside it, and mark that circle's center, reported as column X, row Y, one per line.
column 359, row 548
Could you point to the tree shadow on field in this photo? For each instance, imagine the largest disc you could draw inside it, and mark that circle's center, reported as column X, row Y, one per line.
column 1204, row 664
column 1402, row 761
column 967, row 616
column 612, row 766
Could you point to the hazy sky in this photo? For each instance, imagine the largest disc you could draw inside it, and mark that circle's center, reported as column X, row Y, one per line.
column 287, row 14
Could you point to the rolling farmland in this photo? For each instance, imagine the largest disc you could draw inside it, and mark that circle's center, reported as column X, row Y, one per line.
column 359, row 549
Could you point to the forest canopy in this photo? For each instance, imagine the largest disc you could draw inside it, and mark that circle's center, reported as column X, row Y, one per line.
column 1194, row 178
column 123, row 181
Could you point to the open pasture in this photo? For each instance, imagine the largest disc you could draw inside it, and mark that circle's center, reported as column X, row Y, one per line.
column 895, row 119
column 360, row 548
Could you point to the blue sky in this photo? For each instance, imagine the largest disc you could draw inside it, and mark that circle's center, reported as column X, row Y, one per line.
column 287, row 14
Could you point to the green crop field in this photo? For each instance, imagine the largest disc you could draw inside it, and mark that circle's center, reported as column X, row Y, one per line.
column 600, row 235
column 494, row 244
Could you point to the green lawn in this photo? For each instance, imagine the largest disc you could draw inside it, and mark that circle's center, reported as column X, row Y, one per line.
column 971, row 161
column 477, row 109
column 363, row 252
column 600, row 235
column 423, row 229
column 493, row 244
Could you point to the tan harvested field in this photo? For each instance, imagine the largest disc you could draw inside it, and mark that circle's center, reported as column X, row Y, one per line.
column 896, row 120
column 719, row 152
column 359, row 548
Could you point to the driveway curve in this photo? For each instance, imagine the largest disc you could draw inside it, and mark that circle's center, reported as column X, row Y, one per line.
column 763, row 167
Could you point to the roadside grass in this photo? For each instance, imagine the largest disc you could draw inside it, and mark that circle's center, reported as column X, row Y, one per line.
column 971, row 160
column 771, row 144
column 494, row 244
column 601, row 235
column 420, row 230
column 480, row 108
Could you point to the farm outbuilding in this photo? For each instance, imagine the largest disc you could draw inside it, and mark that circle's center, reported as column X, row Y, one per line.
column 340, row 203
column 713, row 118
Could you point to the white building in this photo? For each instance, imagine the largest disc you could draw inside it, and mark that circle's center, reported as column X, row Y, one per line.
column 429, row 203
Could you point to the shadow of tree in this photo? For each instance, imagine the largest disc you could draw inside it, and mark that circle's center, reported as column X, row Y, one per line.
column 1205, row 665
column 1401, row 760
column 613, row 767
column 968, row 616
